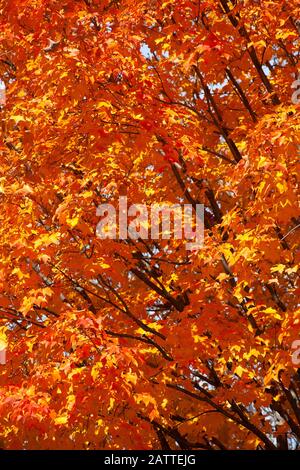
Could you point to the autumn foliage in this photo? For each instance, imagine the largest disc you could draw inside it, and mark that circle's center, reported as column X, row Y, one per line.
column 123, row 344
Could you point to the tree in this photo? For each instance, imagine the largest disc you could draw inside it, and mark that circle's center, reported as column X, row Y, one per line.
column 141, row 344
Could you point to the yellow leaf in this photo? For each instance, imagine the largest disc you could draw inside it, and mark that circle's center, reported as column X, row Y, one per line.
column 273, row 312
column 29, row 345
column 19, row 273
column 31, row 391
column 71, row 402
column 46, row 240
column 131, row 377
column 282, row 187
column 87, row 194
column 292, row 270
column 104, row 265
column 222, row 276
column 103, row 104
column 99, row 423
column 149, row 192
column 72, row 222
column 17, row 118
column 252, row 352
column 95, row 372
column 239, row 370
column 27, row 304
column 159, row 40
column 164, row 403
column 145, row 398
column 61, row 419
column 111, row 404
column 278, row 268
